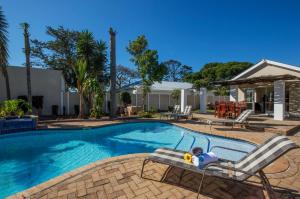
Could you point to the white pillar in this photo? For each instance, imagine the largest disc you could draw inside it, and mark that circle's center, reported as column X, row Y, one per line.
column 68, row 102
column 106, row 105
column 136, row 99
column 62, row 91
column 159, row 101
column 234, row 93
column 148, row 108
column 183, row 99
column 169, row 100
column 203, row 99
column 279, row 100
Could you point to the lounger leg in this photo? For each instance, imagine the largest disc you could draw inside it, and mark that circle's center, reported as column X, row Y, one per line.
column 166, row 173
column 181, row 175
column 145, row 162
column 201, row 184
column 267, row 185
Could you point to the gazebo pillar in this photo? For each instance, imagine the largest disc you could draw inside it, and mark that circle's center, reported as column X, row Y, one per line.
column 203, row 99
column 279, row 100
column 233, row 93
column 183, row 100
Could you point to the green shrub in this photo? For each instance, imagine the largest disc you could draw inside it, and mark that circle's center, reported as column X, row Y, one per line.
column 126, row 98
column 97, row 111
column 145, row 114
column 14, row 107
column 152, row 110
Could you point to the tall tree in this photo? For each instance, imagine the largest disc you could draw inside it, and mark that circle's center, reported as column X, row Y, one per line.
column 80, row 69
column 215, row 71
column 59, row 53
column 4, row 51
column 112, row 34
column 25, row 27
column 94, row 53
column 148, row 66
column 176, row 71
column 125, row 76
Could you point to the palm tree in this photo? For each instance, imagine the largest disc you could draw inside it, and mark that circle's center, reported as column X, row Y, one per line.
column 4, row 51
column 80, row 69
column 25, row 27
column 112, row 72
column 85, row 46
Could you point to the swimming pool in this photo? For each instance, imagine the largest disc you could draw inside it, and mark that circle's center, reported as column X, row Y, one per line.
column 27, row 159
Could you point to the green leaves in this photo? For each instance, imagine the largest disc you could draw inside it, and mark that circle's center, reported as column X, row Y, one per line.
column 217, row 72
column 176, row 71
column 126, row 98
column 176, row 94
column 147, row 63
column 80, row 69
column 137, row 47
column 14, row 107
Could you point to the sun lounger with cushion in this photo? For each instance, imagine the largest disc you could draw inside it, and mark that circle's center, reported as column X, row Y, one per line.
column 251, row 165
column 241, row 119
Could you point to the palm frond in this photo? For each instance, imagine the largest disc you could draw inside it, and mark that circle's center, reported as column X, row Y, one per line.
column 3, row 42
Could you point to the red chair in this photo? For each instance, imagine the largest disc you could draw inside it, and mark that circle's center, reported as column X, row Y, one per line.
column 230, row 110
column 223, row 109
column 217, row 108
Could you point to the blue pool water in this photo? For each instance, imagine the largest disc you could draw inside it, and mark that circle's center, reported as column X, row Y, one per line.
column 30, row 158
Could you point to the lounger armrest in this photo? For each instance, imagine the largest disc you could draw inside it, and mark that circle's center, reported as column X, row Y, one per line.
column 229, row 168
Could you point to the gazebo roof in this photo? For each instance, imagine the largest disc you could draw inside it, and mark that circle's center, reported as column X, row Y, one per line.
column 261, row 79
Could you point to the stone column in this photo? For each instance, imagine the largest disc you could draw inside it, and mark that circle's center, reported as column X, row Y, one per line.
column 233, row 93
column 203, row 99
column 183, row 99
column 279, row 100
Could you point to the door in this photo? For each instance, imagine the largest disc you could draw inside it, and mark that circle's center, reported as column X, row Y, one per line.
column 249, row 96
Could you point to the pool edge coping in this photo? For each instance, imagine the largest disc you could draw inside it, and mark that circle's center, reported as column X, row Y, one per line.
column 119, row 122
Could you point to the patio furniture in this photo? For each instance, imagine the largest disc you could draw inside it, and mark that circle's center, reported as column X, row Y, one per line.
column 221, row 110
column 241, row 119
column 186, row 113
column 176, row 110
column 251, row 165
column 133, row 110
column 231, row 113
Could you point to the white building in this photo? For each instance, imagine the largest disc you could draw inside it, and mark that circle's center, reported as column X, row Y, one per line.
column 268, row 87
column 47, row 83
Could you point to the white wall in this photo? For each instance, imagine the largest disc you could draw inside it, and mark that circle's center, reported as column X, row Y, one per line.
column 47, row 83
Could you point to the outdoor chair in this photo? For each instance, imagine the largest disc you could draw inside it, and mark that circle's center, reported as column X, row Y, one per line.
column 176, row 110
column 186, row 113
column 250, row 165
column 241, row 119
column 222, row 110
column 231, row 110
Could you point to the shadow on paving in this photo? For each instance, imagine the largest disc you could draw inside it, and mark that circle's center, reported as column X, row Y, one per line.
column 214, row 187
column 222, row 188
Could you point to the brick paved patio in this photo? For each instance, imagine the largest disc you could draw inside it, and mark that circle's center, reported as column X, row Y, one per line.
column 118, row 177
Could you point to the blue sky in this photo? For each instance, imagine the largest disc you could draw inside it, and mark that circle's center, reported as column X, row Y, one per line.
column 194, row 32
